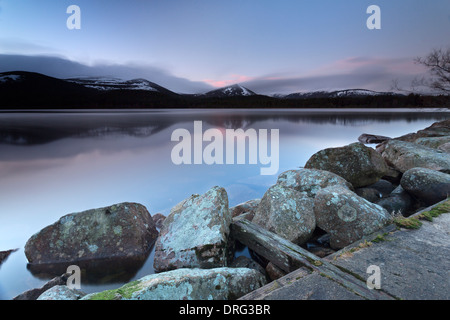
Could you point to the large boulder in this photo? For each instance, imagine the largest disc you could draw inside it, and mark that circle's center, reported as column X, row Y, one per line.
column 428, row 186
column 195, row 233
column 188, row 284
column 124, row 230
column 346, row 217
column 311, row 180
column 434, row 142
column 407, row 155
column 61, row 292
column 286, row 212
column 356, row 163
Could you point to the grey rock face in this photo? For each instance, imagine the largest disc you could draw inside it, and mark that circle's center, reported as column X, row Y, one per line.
column 346, row 217
column 61, row 292
column 286, row 212
column 311, row 180
column 188, row 284
column 356, row 163
column 429, row 186
column 118, row 231
column 407, row 155
column 195, row 233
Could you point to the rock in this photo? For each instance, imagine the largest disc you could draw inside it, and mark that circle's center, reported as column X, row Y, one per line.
column 121, row 230
column 195, row 233
column 384, row 187
column 321, row 252
column 407, row 155
column 33, row 294
column 188, row 284
column 371, row 139
column 346, row 217
column 370, row 194
column 273, row 272
column 445, row 147
column 433, row 142
column 286, row 212
column 397, row 204
column 245, row 262
column 158, row 219
column 61, row 292
column 356, row 163
column 247, row 208
column 5, row 254
column 429, row 186
column 311, row 180
column 437, row 129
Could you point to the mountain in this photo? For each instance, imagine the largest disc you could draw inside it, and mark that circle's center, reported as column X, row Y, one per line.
column 20, row 89
column 106, row 84
column 235, row 90
column 352, row 93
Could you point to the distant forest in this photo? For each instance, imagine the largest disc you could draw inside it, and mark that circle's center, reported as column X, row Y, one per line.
column 131, row 99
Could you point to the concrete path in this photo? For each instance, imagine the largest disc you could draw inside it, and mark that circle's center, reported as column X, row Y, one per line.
column 408, row 264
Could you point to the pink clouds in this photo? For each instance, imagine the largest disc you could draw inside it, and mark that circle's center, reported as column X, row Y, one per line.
column 233, row 79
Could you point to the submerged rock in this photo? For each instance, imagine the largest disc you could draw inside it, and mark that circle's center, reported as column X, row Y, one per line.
column 61, row 292
column 429, row 186
column 407, row 155
column 346, row 217
column 118, row 231
column 5, row 254
column 195, row 233
column 188, row 284
column 356, row 163
column 311, row 180
column 286, row 212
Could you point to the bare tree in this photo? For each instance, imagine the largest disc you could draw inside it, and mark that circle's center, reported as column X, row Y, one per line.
column 438, row 64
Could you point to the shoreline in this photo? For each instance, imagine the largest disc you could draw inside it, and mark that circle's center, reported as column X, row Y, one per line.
column 231, row 208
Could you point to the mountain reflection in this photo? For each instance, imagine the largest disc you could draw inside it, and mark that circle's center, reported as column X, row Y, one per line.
column 41, row 128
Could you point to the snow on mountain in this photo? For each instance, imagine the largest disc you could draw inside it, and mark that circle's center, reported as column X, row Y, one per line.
column 101, row 83
column 9, row 77
column 230, row 91
column 336, row 94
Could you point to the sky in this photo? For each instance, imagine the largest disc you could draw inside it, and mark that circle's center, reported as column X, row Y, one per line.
column 193, row 46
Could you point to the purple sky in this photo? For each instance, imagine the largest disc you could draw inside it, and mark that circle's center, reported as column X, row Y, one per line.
column 194, row 45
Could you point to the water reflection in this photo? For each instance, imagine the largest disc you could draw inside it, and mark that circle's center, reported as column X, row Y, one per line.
column 53, row 164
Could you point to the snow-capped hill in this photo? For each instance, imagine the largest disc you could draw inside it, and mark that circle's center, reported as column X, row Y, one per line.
column 9, row 77
column 230, row 91
column 353, row 93
column 105, row 84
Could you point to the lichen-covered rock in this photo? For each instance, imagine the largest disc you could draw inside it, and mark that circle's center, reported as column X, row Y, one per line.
column 188, row 284
column 311, row 180
column 356, row 163
column 407, row 155
column 195, row 233
column 433, row 142
column 61, row 292
column 346, row 217
column 429, row 186
column 286, row 212
column 119, row 231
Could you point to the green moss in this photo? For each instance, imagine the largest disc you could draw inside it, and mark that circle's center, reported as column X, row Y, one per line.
column 125, row 291
column 407, row 223
column 380, row 238
column 415, row 223
column 435, row 212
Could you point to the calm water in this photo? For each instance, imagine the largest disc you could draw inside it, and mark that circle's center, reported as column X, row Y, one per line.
column 55, row 163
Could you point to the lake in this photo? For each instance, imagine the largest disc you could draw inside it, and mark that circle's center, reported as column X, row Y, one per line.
column 55, row 163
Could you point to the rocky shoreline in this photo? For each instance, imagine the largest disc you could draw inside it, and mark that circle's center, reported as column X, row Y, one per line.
column 340, row 196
